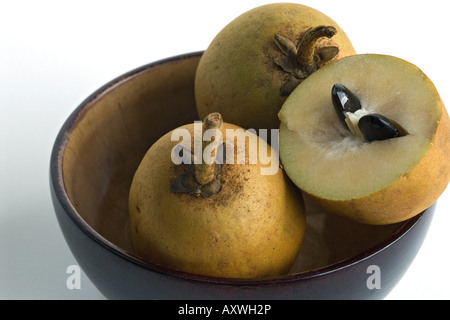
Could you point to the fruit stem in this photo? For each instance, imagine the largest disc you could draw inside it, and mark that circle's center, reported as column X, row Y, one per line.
column 205, row 171
column 307, row 44
column 202, row 178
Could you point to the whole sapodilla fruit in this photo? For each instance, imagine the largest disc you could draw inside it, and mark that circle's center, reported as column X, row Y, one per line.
column 229, row 218
column 255, row 61
column 367, row 137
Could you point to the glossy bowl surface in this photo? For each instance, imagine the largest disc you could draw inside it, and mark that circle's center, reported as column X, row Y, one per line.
column 93, row 161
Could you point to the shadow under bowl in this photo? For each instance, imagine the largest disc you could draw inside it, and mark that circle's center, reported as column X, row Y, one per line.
column 94, row 158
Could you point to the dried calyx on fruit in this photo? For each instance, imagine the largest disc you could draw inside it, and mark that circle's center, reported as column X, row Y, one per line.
column 301, row 60
column 203, row 178
column 360, row 122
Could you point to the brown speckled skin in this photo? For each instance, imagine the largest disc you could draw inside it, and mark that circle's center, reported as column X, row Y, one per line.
column 252, row 228
column 237, row 75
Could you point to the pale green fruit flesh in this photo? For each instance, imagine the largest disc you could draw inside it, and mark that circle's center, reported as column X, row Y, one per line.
column 324, row 159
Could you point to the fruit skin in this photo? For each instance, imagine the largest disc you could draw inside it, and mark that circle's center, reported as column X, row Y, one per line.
column 413, row 191
column 237, row 75
column 252, row 228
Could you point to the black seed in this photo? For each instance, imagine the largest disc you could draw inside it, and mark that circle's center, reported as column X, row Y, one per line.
column 344, row 101
column 377, row 127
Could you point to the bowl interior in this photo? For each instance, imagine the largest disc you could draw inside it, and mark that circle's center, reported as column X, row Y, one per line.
column 111, row 131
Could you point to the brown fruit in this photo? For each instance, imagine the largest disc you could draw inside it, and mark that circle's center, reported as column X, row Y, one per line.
column 223, row 220
column 257, row 60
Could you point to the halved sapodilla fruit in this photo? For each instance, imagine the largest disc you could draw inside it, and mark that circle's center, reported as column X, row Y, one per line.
column 367, row 137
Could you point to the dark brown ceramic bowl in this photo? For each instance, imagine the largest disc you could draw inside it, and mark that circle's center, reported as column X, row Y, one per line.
column 93, row 161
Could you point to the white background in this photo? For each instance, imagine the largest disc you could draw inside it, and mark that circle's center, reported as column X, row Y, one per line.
column 53, row 54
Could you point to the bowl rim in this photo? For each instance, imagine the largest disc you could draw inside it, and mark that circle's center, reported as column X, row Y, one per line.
column 57, row 184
